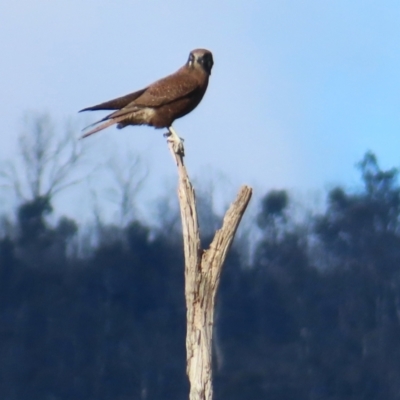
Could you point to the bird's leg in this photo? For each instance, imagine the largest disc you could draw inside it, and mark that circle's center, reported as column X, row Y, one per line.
column 176, row 141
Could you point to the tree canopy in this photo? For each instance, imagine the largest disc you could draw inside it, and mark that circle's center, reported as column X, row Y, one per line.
column 314, row 316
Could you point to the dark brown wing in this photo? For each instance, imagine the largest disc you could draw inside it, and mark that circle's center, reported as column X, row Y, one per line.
column 117, row 103
column 162, row 92
column 168, row 89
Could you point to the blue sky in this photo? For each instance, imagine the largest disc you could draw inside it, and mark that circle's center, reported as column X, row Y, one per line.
column 300, row 90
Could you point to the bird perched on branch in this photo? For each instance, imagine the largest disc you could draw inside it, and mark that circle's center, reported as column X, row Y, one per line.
column 162, row 102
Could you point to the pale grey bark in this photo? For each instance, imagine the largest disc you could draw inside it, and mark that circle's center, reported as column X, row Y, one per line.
column 202, row 274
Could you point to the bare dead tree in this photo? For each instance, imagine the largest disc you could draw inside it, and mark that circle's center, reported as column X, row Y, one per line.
column 46, row 160
column 128, row 174
column 202, row 274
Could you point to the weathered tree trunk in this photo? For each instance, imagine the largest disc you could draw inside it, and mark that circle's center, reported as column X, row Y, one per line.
column 202, row 273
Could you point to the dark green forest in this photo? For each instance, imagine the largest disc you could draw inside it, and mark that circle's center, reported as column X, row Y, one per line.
column 312, row 314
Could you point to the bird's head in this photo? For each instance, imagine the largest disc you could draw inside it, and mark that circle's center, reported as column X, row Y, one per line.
column 201, row 58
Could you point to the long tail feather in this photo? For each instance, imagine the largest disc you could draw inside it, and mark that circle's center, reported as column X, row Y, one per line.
column 106, row 118
column 101, row 126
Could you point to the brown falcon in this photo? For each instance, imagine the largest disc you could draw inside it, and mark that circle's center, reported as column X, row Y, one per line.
column 162, row 102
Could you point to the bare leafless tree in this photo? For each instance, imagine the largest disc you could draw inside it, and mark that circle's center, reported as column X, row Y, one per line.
column 128, row 174
column 46, row 161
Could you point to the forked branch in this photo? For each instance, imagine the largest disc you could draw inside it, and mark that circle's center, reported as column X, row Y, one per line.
column 202, row 273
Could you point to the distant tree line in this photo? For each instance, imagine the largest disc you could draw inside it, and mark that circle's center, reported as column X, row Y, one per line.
column 314, row 315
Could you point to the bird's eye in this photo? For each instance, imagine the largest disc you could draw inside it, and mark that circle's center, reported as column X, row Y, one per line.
column 207, row 60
